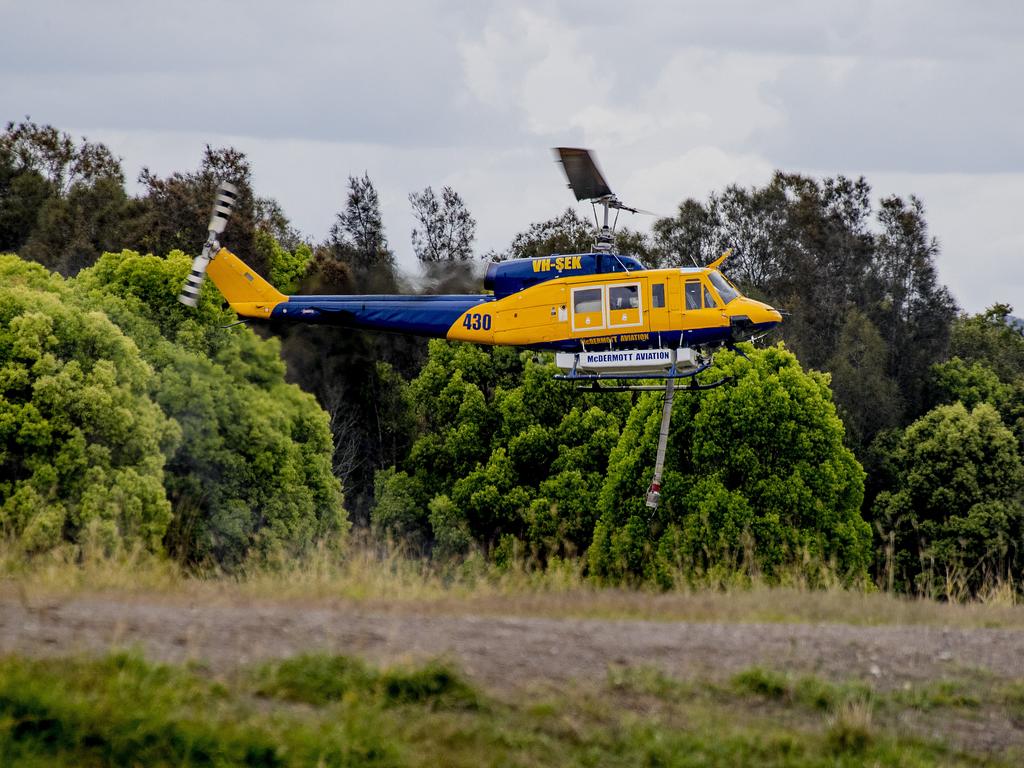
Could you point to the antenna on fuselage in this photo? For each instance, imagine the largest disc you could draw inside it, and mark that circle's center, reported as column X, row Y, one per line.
column 588, row 183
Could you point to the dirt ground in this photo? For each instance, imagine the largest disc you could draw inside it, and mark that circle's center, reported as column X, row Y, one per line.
column 500, row 652
column 529, row 654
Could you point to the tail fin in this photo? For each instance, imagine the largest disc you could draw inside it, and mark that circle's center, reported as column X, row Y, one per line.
column 247, row 293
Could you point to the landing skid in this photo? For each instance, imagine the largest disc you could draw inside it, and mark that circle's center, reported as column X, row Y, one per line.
column 670, row 374
column 596, row 386
column 593, row 382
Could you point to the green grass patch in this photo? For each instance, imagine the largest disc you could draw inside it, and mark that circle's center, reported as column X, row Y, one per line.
column 314, row 679
column 806, row 690
column 1011, row 696
column 813, row 692
column 937, row 694
column 320, row 679
column 646, row 680
column 122, row 710
column 762, row 682
column 324, row 710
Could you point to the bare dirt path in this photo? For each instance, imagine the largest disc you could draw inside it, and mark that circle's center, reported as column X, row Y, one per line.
column 503, row 652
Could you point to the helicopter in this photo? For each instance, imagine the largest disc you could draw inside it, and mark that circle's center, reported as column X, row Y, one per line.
column 611, row 322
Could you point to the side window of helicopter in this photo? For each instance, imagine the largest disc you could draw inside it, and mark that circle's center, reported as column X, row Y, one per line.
column 587, row 300
column 709, row 300
column 693, row 290
column 658, row 295
column 587, row 309
column 623, row 297
column 624, row 305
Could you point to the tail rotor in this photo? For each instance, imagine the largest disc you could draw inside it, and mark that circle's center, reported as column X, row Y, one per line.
column 227, row 196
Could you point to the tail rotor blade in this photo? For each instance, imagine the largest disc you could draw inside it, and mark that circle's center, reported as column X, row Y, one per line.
column 223, row 205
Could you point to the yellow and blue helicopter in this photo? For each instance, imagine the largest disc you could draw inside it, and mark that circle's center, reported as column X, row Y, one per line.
column 605, row 315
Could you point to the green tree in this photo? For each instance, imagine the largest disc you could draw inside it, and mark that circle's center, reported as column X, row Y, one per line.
column 445, row 228
column 23, row 192
column 912, row 310
column 71, row 231
column 56, row 157
column 987, row 366
column 756, row 475
column 83, row 445
column 173, row 213
column 451, row 533
column 62, row 202
column 956, row 510
column 271, row 219
column 810, row 246
column 867, row 398
column 357, row 377
column 125, row 417
column 501, row 449
column 990, row 338
column 971, row 384
column 252, row 473
column 285, row 268
column 567, row 233
column 401, row 510
column 357, row 235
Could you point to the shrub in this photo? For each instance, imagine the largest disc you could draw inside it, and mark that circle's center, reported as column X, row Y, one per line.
column 956, row 510
column 83, row 445
column 756, row 475
column 127, row 417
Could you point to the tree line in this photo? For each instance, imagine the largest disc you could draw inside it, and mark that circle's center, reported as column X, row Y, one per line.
column 881, row 439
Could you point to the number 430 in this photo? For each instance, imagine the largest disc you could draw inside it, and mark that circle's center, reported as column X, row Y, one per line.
column 475, row 322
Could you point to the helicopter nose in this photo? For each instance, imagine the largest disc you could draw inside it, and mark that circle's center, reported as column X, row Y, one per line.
column 765, row 314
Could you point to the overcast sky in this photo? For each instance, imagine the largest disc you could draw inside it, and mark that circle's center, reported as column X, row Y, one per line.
column 678, row 98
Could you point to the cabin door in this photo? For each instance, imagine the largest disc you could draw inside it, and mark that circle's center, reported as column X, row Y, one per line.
column 700, row 310
column 626, row 308
column 589, row 310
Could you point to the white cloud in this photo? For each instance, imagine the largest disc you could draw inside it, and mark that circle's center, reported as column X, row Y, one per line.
column 534, row 65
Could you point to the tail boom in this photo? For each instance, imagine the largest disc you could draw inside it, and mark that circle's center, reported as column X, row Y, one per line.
column 431, row 316
column 252, row 296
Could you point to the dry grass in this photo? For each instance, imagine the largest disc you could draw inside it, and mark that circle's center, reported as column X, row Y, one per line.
column 381, row 578
column 850, row 727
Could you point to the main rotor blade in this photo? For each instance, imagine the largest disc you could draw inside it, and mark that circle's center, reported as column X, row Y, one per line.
column 585, row 179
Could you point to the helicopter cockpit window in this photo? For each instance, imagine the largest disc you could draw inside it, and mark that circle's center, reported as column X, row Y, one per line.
column 588, row 300
column 623, row 297
column 709, row 300
column 725, row 289
column 693, row 294
column 658, row 295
